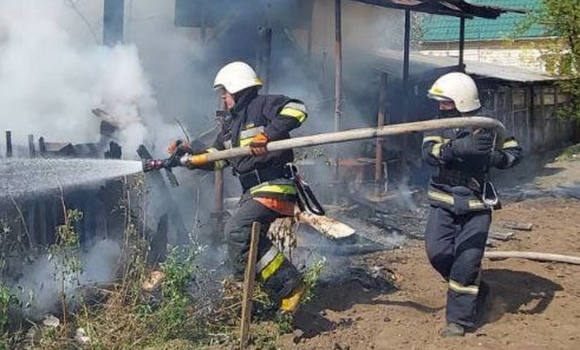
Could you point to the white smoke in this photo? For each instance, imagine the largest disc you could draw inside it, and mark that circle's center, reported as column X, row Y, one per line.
column 41, row 284
column 53, row 73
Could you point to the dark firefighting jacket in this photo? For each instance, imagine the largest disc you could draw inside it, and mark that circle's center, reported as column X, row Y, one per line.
column 458, row 184
column 275, row 115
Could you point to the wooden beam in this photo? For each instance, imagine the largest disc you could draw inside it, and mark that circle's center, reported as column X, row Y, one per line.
column 249, row 277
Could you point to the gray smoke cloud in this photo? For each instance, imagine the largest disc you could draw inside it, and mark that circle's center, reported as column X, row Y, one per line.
column 41, row 285
column 54, row 73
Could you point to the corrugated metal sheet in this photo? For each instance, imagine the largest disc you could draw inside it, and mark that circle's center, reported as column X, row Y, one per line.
column 458, row 8
column 392, row 63
column 440, row 28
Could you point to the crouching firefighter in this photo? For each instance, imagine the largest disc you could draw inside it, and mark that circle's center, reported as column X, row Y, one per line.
column 462, row 198
column 269, row 191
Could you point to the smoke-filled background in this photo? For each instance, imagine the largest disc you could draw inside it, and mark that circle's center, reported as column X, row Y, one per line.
column 55, row 69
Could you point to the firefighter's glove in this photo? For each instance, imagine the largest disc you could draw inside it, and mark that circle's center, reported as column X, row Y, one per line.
column 258, row 145
column 497, row 159
column 473, row 145
column 179, row 147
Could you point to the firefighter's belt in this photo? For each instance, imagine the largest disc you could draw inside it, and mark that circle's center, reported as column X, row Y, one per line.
column 260, row 176
column 438, row 196
column 460, row 178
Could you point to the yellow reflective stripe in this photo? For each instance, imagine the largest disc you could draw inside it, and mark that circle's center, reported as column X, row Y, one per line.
column 244, row 134
column 246, row 142
column 439, row 142
column 294, row 113
column 266, row 258
column 448, row 199
column 459, row 288
column 432, row 139
column 439, row 196
column 267, row 187
column 476, row 204
column 272, row 267
column 436, row 150
column 218, row 164
column 510, row 144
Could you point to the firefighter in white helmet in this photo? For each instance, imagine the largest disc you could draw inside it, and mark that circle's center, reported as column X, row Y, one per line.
column 462, row 198
column 268, row 190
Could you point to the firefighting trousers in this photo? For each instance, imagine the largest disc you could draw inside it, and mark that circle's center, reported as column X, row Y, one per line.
column 277, row 273
column 455, row 245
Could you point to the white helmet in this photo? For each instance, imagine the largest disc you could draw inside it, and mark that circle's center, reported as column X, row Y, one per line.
column 456, row 87
column 235, row 77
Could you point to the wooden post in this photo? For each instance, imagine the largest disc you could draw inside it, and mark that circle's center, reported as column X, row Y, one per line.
column 219, row 213
column 461, row 39
column 8, row 144
column 337, row 78
column 41, row 146
column 379, row 141
column 406, row 63
column 249, row 285
column 31, row 150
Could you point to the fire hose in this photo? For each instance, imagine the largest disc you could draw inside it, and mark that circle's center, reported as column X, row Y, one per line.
column 341, row 136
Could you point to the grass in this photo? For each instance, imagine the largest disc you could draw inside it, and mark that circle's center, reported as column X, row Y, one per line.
column 570, row 153
column 125, row 316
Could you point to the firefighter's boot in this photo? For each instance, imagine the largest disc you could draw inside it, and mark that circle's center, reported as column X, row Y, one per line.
column 452, row 330
column 289, row 304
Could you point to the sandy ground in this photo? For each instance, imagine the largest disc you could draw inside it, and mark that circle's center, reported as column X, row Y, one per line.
column 532, row 305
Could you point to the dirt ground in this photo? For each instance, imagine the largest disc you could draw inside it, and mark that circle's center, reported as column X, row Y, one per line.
column 532, row 305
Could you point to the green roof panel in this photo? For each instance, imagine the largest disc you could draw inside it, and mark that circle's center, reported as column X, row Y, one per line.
column 446, row 28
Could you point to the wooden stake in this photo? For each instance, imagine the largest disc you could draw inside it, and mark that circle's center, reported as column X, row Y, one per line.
column 249, row 285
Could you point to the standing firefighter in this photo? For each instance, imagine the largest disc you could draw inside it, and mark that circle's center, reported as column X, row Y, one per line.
column 462, row 198
column 269, row 192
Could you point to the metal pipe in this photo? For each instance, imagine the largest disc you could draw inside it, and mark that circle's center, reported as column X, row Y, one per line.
column 337, row 75
column 366, row 133
column 380, row 123
column 461, row 39
column 8, row 144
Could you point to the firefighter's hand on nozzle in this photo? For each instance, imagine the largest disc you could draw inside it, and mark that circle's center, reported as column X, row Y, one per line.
column 473, row 145
column 178, row 146
column 258, row 145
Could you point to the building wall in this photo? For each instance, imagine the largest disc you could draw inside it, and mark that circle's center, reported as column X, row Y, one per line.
column 530, row 114
column 522, row 54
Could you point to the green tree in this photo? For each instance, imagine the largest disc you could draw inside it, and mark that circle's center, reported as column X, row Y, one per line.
column 561, row 21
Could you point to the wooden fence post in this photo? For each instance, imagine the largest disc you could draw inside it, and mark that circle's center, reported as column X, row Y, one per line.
column 249, row 277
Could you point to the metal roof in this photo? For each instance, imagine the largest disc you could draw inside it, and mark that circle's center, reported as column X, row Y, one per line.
column 457, row 8
column 443, row 29
column 391, row 61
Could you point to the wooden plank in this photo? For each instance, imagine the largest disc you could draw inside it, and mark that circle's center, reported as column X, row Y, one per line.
column 249, row 285
column 521, row 226
column 501, row 236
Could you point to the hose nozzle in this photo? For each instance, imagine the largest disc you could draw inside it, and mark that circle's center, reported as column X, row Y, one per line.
column 153, row 164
